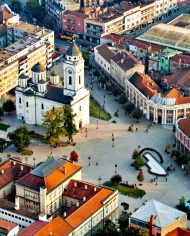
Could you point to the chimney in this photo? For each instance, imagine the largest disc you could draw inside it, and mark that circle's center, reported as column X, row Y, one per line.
column 85, row 186
column 77, row 204
column 94, row 189
column 64, row 170
column 75, row 184
column 14, row 163
column 64, row 214
column 84, row 199
column 16, row 203
column 2, row 172
column 151, row 224
column 122, row 60
column 179, row 63
column 21, row 167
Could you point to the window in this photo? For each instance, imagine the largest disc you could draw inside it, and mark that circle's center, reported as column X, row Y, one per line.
column 50, row 210
column 60, row 202
column 70, row 80
column 26, row 104
column 19, row 100
column 65, row 202
column 79, row 79
column 55, row 206
column 42, row 106
column 79, row 108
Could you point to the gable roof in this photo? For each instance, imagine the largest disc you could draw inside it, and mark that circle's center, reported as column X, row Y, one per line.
column 173, row 93
column 32, row 229
column 58, row 227
column 165, row 214
column 12, row 171
column 181, row 57
column 184, row 125
column 7, row 225
column 144, row 84
column 180, row 76
column 106, row 52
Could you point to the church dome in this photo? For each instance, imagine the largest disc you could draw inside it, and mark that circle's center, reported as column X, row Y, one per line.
column 42, row 81
column 39, row 67
column 73, row 50
column 23, row 76
column 54, row 73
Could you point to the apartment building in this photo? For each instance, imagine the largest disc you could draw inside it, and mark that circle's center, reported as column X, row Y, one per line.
column 147, row 10
column 179, row 61
column 11, row 171
column 19, row 58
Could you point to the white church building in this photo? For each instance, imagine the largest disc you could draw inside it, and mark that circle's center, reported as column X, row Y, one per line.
column 37, row 95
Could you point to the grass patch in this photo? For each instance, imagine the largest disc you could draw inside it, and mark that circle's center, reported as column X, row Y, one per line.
column 26, row 152
column 4, row 127
column 131, row 192
column 96, row 110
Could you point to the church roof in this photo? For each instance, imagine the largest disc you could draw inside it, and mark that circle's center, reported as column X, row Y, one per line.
column 39, row 67
column 73, row 50
column 54, row 73
column 23, row 76
column 42, row 81
column 29, row 93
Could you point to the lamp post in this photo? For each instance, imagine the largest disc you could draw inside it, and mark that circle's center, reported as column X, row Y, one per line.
column 97, row 124
column 115, row 168
column 89, row 160
column 34, row 159
column 112, row 140
column 86, row 131
column 99, row 178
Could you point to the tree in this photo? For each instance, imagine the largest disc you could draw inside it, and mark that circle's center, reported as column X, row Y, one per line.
column 168, row 146
column 123, row 220
column 182, row 159
column 69, row 121
column 53, row 122
column 136, row 232
column 48, row 23
column 181, row 204
column 137, row 114
column 110, row 229
column 1, row 112
column 129, row 107
column 35, row 8
column 16, row 6
column 140, row 177
column 122, row 99
column 139, row 162
column 116, row 179
column 135, row 154
column 9, row 106
column 74, row 156
column 116, row 91
column 102, row 79
column 20, row 138
column 96, row 73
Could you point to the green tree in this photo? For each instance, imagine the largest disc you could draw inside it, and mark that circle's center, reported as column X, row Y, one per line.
column 48, row 23
column 143, row 232
column 181, row 204
column 1, row 112
column 109, row 229
column 139, row 162
column 129, row 107
column 116, row 91
column 140, row 177
column 53, row 122
column 9, row 106
column 183, row 159
column 137, row 114
column 102, row 79
column 135, row 154
column 16, row 6
column 35, row 8
column 122, row 99
column 20, row 137
column 176, row 153
column 168, row 146
column 116, row 179
column 123, row 220
column 69, row 123
column 96, row 73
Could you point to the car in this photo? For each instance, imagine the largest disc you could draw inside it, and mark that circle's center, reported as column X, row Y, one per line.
column 84, row 45
column 91, row 49
column 58, row 49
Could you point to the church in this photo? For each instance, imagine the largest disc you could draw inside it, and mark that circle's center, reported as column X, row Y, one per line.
column 36, row 95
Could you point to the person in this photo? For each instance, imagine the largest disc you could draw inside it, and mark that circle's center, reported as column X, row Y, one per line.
column 147, row 130
column 139, row 146
column 136, row 129
column 96, row 163
column 166, row 179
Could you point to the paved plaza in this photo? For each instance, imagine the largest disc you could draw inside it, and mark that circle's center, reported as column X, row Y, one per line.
column 98, row 145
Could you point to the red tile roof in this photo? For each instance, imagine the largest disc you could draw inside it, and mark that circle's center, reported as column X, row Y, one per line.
column 7, row 225
column 144, row 84
column 179, row 232
column 184, row 58
column 75, row 14
column 12, row 171
column 58, row 227
column 182, row 100
column 173, row 93
column 184, row 125
column 105, row 52
column 32, row 229
column 125, row 60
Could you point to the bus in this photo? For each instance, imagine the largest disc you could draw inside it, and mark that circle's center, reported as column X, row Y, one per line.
column 64, row 36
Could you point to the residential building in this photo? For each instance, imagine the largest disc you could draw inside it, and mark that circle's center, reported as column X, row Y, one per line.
column 168, row 35
column 182, row 134
column 7, row 16
column 3, row 36
column 8, row 228
column 180, row 80
column 159, row 218
column 19, row 58
column 11, row 171
column 179, row 61
column 56, row 8
column 147, row 12
column 19, row 215
column 73, row 23
column 159, row 107
column 35, row 97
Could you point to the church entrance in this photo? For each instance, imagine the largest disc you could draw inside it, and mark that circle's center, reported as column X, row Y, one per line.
column 80, row 124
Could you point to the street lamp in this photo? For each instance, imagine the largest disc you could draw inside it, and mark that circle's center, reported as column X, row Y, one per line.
column 99, row 178
column 34, row 161
column 86, row 131
column 112, row 140
column 97, row 124
column 115, row 168
column 89, row 161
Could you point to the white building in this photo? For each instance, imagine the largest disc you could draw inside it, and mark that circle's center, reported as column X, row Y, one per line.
column 36, row 96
